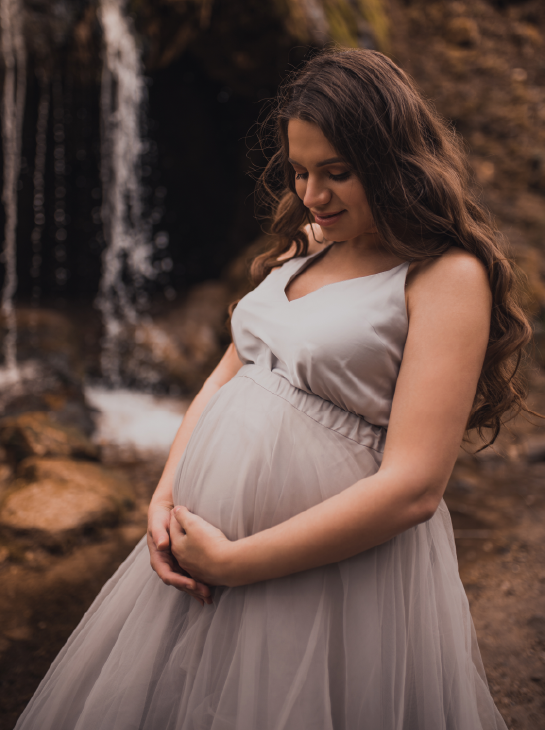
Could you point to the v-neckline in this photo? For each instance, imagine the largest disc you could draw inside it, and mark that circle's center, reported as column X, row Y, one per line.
column 311, row 257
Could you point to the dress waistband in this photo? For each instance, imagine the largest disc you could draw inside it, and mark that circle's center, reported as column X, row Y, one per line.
column 347, row 424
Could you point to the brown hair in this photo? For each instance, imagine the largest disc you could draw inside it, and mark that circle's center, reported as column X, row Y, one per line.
column 414, row 172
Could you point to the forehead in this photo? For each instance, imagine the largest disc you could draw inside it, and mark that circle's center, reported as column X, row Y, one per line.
column 307, row 144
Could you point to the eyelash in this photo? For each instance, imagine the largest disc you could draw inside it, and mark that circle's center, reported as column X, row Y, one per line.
column 338, row 178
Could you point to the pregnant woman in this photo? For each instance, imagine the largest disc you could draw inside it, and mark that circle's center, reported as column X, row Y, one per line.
column 300, row 513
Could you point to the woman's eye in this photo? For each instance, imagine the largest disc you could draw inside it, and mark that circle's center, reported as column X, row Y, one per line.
column 341, row 176
column 338, row 178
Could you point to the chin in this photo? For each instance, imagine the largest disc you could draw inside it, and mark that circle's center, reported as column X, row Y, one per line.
column 334, row 234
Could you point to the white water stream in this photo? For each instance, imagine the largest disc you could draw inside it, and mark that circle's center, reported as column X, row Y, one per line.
column 38, row 180
column 134, row 425
column 13, row 106
column 127, row 257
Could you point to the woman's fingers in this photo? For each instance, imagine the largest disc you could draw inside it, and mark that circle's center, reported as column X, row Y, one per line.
column 161, row 558
column 201, row 588
column 182, row 516
column 199, row 547
column 181, row 583
column 158, row 525
column 168, row 570
column 161, row 538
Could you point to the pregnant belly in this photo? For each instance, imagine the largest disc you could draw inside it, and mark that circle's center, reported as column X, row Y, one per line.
column 254, row 460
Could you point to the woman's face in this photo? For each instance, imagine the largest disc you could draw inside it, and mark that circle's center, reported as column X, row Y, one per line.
column 326, row 184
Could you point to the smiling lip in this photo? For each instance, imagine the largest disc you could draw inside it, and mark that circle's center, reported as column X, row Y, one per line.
column 327, row 219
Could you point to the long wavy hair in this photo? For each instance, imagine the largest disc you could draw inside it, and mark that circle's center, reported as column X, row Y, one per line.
column 415, row 175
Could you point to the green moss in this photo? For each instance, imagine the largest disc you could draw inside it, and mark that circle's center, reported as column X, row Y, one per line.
column 342, row 21
column 343, row 17
column 374, row 12
column 293, row 16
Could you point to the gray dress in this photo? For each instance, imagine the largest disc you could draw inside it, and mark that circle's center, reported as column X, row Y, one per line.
column 382, row 641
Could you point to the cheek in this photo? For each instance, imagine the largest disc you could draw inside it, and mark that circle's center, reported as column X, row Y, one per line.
column 357, row 199
column 354, row 194
column 300, row 187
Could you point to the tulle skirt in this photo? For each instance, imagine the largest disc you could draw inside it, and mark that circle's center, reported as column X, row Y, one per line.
column 382, row 641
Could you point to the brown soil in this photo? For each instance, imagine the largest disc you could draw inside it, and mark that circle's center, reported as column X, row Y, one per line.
column 498, row 510
column 44, row 594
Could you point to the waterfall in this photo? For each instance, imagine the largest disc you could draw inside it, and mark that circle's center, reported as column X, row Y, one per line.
column 13, row 105
column 39, row 185
column 126, row 259
column 59, row 167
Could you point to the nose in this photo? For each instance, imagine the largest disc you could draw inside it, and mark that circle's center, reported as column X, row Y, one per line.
column 317, row 194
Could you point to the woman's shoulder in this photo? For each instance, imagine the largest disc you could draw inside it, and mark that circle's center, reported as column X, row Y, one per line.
column 456, row 268
column 452, row 287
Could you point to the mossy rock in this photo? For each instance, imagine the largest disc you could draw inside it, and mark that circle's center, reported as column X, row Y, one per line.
column 39, row 434
column 55, row 500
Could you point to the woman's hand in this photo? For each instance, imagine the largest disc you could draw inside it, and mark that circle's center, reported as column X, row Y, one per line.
column 161, row 558
column 201, row 549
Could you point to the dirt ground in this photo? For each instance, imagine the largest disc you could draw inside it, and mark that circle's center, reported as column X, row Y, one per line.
column 44, row 595
column 497, row 502
column 498, row 511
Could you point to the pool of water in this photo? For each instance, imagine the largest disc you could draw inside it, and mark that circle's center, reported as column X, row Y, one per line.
column 130, row 424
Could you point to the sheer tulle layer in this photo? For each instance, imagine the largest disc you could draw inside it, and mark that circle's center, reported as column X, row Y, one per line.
column 383, row 641
column 264, row 451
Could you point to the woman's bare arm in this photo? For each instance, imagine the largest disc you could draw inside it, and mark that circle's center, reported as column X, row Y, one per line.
column 449, row 308
column 161, row 502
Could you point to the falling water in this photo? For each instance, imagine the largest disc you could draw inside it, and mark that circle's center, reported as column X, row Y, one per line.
column 13, row 105
column 59, row 167
column 39, row 185
column 127, row 257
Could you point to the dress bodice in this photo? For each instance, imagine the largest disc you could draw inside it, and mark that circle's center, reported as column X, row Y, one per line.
column 343, row 342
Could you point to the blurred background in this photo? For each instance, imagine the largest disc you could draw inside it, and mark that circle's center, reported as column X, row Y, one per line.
column 129, row 154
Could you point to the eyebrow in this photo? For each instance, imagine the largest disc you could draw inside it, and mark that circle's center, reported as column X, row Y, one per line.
column 330, row 161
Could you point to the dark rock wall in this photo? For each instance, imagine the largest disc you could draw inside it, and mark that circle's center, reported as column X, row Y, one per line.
column 483, row 65
column 195, row 176
column 207, row 74
column 211, row 65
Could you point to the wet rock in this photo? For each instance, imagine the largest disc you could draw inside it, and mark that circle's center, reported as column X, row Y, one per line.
column 463, row 486
column 68, row 412
column 526, row 34
column 51, row 337
column 535, row 450
column 39, row 434
column 51, row 370
column 183, row 347
column 6, row 473
column 77, row 414
column 537, row 624
column 6, row 477
column 53, row 498
column 216, row 31
column 462, row 32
